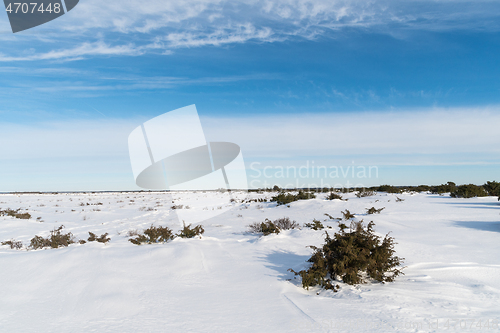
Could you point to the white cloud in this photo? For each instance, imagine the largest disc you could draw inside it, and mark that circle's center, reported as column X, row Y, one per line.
column 167, row 25
column 407, row 134
column 128, row 82
column 80, row 138
column 82, row 50
column 437, row 132
column 77, row 150
column 290, row 15
column 232, row 34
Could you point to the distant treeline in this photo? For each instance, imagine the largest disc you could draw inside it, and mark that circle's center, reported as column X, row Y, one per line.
column 456, row 191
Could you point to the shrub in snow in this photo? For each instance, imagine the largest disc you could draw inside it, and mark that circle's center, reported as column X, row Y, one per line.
column 267, row 227
column 284, row 223
column 275, row 227
column 329, row 216
column 389, row 189
column 364, row 193
column 444, row 188
column 469, row 191
column 15, row 213
column 133, row 232
column 333, row 196
column 153, row 235
column 373, row 210
column 55, row 240
column 13, row 244
column 285, row 198
column 188, row 232
column 347, row 215
column 420, row 188
column 493, row 188
column 352, row 257
column 101, row 239
column 315, row 225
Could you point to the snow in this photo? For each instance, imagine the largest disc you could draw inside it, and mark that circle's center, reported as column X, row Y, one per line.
column 232, row 281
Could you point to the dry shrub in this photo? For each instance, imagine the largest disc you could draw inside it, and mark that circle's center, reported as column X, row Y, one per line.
column 364, row 193
column 13, row 244
column 15, row 214
column 101, row 239
column 315, row 225
column 373, row 210
column 347, row 215
column 55, row 240
column 333, row 196
column 132, row 233
column 153, row 235
column 285, row 198
column 275, row 227
column 188, row 232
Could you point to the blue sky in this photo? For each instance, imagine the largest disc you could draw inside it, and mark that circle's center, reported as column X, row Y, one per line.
column 409, row 87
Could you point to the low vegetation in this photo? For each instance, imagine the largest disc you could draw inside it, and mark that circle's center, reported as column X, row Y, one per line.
column 161, row 234
column 188, row 232
column 101, row 239
column 365, row 193
column 388, row 189
column 469, row 191
column 334, row 196
column 55, row 240
column 285, row 198
column 443, row 188
column 352, row 257
column 374, row 210
column 153, row 235
column 490, row 188
column 315, row 225
column 273, row 227
column 15, row 213
column 347, row 215
column 493, row 188
column 329, row 216
column 13, row 244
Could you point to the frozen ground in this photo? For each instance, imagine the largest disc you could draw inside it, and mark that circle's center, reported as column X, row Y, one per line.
column 233, row 281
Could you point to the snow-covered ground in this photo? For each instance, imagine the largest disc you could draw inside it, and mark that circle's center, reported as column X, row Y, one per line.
column 234, row 281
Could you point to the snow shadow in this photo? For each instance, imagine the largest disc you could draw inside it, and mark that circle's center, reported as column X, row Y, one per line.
column 281, row 261
column 479, row 225
column 482, row 205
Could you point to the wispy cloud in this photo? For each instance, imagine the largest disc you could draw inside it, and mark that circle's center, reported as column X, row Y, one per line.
column 82, row 50
column 151, row 83
column 225, row 35
column 163, row 26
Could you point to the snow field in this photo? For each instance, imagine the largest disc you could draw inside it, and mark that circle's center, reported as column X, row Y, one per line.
column 234, row 281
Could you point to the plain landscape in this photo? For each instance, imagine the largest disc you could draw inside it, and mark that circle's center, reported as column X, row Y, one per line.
column 232, row 279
